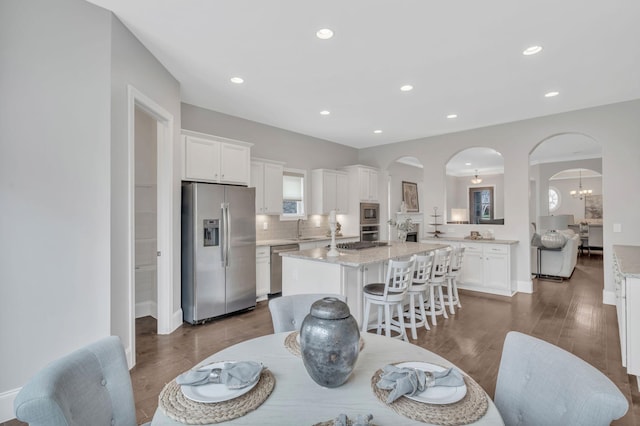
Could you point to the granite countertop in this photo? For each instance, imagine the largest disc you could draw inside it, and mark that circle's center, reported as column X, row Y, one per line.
column 356, row 258
column 468, row 240
column 628, row 258
column 282, row 241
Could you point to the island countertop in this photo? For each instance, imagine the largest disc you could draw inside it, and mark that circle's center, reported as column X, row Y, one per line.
column 357, row 258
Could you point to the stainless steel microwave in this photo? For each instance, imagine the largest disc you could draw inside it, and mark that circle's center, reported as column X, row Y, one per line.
column 369, row 213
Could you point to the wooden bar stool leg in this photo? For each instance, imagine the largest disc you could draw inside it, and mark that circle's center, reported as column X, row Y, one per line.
column 423, row 313
column 443, row 307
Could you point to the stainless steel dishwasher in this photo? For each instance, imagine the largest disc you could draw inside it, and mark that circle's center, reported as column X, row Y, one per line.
column 276, row 266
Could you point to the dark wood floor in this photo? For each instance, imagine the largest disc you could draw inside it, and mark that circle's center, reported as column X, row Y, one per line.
column 570, row 315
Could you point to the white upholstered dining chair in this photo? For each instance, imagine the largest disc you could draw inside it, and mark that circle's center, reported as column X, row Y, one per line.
column 540, row 384
column 90, row 386
column 288, row 312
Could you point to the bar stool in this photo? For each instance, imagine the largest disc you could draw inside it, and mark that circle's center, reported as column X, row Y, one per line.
column 453, row 271
column 417, row 314
column 437, row 279
column 388, row 295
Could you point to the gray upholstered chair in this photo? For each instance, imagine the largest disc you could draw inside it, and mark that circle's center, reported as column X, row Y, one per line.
column 288, row 312
column 540, row 384
column 90, row 386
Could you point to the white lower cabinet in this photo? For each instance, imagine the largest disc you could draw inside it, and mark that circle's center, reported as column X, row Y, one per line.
column 263, row 272
column 487, row 267
column 627, row 282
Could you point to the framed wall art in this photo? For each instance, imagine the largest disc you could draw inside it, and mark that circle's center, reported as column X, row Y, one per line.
column 410, row 196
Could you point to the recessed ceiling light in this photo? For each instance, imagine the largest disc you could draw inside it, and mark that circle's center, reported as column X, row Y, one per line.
column 324, row 34
column 551, row 94
column 452, row 116
column 237, row 80
column 467, row 164
column 377, row 131
column 532, row 50
column 406, row 88
column 325, row 112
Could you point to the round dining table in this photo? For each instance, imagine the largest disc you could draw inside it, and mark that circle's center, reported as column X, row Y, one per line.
column 297, row 400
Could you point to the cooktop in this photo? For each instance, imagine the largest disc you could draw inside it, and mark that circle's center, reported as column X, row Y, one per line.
column 360, row 245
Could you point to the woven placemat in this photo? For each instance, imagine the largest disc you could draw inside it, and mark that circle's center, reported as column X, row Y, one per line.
column 293, row 345
column 469, row 409
column 175, row 405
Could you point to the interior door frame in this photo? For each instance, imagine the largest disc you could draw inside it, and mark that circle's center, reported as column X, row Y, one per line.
column 164, row 212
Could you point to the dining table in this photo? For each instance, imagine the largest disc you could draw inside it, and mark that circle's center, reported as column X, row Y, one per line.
column 285, row 394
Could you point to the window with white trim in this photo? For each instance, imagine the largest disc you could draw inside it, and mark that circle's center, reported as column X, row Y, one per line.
column 554, row 199
column 293, row 194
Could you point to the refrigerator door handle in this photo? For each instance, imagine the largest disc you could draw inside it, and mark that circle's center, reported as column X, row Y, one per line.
column 227, row 236
column 223, row 236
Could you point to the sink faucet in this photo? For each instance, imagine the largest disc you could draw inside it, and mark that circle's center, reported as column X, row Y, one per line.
column 298, row 233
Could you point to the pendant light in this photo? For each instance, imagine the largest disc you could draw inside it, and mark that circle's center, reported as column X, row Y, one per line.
column 580, row 193
column 476, row 180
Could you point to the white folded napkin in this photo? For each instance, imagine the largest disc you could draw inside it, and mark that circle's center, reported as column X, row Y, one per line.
column 411, row 381
column 235, row 375
column 361, row 420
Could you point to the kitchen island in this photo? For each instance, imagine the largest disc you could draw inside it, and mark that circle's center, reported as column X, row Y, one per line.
column 312, row 271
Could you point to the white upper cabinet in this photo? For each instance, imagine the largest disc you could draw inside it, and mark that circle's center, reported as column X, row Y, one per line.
column 329, row 191
column 214, row 159
column 266, row 177
column 366, row 182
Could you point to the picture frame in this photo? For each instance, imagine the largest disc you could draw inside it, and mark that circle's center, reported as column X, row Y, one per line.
column 410, row 196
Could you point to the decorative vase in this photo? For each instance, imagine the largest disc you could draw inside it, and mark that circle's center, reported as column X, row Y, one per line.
column 402, row 235
column 329, row 342
column 552, row 239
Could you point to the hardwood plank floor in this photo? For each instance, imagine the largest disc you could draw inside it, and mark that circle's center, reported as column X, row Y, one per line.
column 569, row 314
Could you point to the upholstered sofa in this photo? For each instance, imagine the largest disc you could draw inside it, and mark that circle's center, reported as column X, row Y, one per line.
column 557, row 263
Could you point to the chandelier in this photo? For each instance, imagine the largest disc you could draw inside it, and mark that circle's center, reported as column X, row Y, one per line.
column 476, row 180
column 580, row 193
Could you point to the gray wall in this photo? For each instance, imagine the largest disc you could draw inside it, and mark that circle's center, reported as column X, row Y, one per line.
column 616, row 127
column 64, row 180
column 132, row 64
column 296, row 150
column 55, row 198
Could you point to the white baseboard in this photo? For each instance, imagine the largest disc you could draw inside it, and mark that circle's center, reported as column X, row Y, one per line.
column 176, row 320
column 6, row 405
column 608, row 297
column 146, row 309
column 525, row 286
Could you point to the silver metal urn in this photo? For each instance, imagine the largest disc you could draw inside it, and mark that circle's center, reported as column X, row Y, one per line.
column 329, row 342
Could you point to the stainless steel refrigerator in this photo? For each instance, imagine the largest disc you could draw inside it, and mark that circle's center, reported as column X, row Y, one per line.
column 218, row 250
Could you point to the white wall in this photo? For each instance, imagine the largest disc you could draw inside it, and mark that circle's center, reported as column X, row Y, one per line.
column 55, row 195
column 616, row 127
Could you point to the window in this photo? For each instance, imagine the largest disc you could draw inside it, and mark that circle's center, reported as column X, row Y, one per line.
column 554, row 199
column 293, row 183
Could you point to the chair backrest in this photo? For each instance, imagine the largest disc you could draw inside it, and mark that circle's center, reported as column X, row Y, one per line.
column 440, row 265
column 399, row 276
column 90, row 386
column 288, row 312
column 541, row 384
column 455, row 263
column 422, row 270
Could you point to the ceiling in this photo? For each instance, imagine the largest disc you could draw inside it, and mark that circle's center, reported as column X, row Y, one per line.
column 462, row 57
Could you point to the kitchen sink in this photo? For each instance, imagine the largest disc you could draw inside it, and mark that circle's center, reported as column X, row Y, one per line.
column 307, row 238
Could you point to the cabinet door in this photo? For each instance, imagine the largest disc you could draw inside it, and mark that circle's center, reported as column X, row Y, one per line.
column 201, row 159
column 329, row 195
column 342, row 193
column 257, row 182
column 273, row 188
column 496, row 271
column 473, row 266
column 263, row 271
column 368, row 182
column 234, row 163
